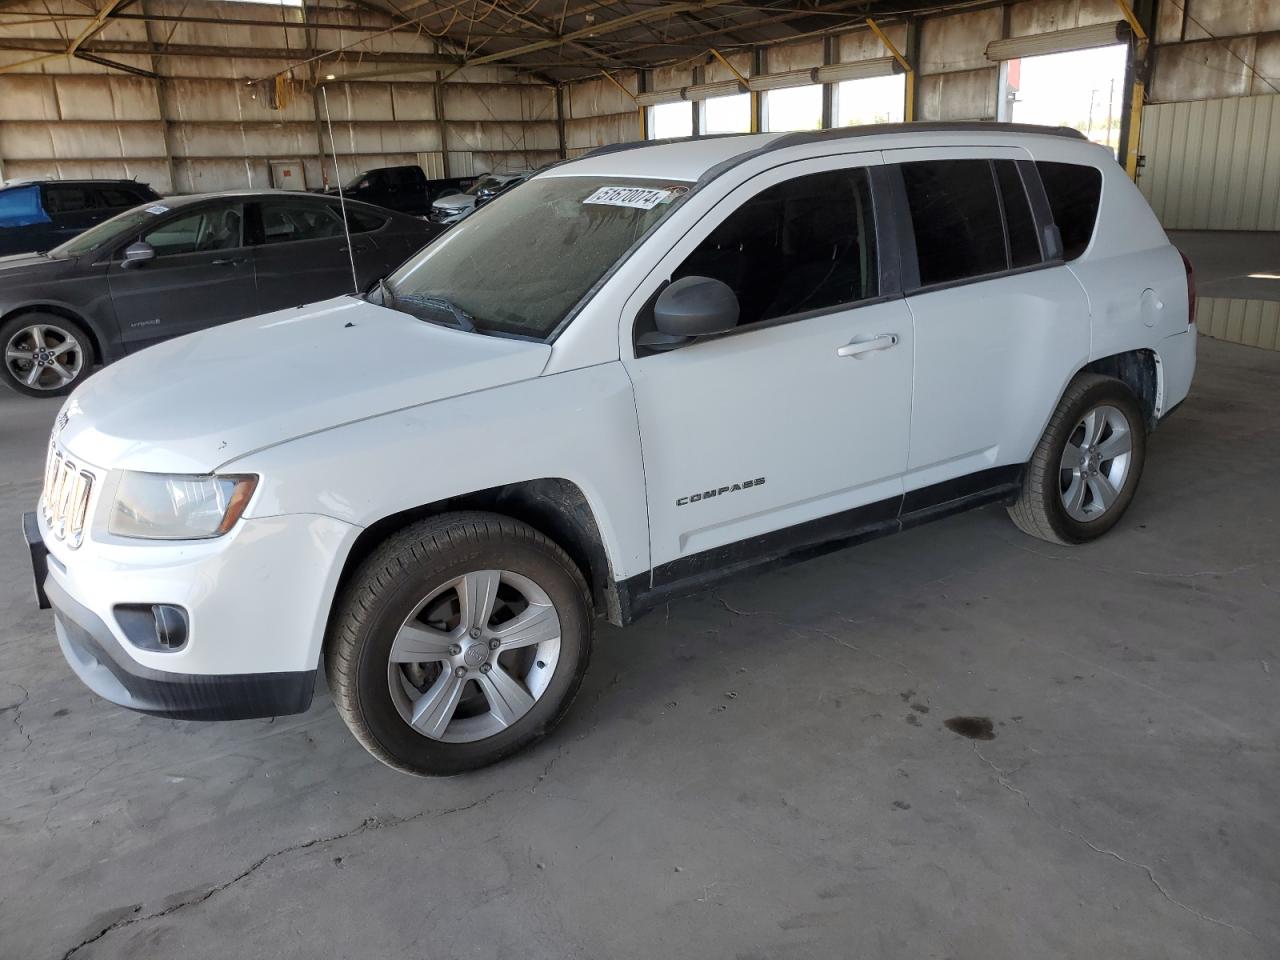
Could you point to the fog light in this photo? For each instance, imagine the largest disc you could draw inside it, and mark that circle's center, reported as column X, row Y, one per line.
column 171, row 625
column 161, row 627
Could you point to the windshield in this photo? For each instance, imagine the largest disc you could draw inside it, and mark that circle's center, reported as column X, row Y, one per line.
column 520, row 266
column 107, row 232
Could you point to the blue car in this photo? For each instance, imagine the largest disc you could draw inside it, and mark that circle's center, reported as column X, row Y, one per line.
column 39, row 216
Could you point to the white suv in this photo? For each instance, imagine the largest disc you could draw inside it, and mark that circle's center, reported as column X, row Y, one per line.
column 644, row 370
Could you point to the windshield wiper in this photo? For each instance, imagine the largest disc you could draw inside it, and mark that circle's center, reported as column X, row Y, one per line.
column 461, row 318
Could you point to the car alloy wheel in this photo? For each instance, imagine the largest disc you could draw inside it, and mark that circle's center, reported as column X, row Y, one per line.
column 474, row 656
column 1095, row 463
column 43, row 357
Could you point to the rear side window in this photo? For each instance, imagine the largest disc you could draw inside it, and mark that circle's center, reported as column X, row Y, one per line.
column 1074, row 192
column 801, row 245
column 66, row 199
column 955, row 213
column 284, row 221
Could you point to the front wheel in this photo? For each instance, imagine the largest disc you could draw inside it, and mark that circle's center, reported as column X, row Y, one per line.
column 459, row 641
column 45, row 355
column 1086, row 468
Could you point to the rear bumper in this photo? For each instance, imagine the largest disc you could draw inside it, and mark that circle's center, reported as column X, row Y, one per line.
column 104, row 667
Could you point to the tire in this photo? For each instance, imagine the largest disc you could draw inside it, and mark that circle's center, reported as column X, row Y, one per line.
column 413, row 597
column 1073, row 495
column 45, row 355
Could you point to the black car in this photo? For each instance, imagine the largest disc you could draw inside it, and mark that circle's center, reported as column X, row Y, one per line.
column 183, row 264
column 39, row 216
column 406, row 189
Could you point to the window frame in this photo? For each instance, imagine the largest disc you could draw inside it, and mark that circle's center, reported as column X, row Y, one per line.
column 1046, row 232
column 885, row 224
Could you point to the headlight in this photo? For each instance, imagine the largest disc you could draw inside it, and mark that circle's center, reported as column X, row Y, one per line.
column 160, row 507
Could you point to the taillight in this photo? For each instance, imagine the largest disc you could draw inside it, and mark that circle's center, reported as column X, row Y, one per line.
column 1191, row 288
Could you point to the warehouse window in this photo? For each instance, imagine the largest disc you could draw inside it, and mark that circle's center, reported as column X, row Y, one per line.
column 793, row 108
column 727, row 114
column 801, row 245
column 956, row 216
column 1083, row 89
column 670, row 120
column 872, row 100
column 1074, row 191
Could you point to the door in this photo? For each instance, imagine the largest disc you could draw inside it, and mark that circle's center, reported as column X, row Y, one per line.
column 202, row 275
column 300, row 253
column 794, row 427
column 1001, row 323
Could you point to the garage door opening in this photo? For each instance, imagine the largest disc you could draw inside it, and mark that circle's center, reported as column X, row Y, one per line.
column 670, row 120
column 1083, row 89
column 727, row 114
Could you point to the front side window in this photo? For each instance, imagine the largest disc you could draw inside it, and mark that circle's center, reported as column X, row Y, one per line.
column 217, row 228
column 955, row 213
column 1074, row 192
column 521, row 266
column 285, row 221
column 801, row 245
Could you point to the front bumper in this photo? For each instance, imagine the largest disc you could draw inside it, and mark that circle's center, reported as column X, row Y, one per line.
column 258, row 602
column 102, row 664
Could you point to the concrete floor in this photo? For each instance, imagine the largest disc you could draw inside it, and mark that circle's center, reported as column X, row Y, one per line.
column 759, row 773
column 1224, row 259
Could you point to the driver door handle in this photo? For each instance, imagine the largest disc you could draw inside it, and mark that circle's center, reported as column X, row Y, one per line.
column 882, row 342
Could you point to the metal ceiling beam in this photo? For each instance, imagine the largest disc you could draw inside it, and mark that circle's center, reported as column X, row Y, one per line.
column 140, row 48
column 592, row 30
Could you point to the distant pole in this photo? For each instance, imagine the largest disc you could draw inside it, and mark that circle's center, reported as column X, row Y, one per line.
column 1111, row 97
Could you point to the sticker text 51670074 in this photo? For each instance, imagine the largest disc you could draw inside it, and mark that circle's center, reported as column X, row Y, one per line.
column 642, row 198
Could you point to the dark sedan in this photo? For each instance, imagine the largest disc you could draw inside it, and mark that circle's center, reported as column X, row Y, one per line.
column 180, row 265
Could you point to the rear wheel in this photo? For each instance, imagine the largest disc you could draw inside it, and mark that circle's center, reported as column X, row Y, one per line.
column 45, row 355
column 1086, row 468
column 459, row 641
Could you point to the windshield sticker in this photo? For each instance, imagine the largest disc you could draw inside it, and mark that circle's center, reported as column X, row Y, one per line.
column 158, row 209
column 641, row 198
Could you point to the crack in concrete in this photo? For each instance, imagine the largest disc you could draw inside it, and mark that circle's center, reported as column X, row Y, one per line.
column 1002, row 778
column 367, row 825
column 17, row 713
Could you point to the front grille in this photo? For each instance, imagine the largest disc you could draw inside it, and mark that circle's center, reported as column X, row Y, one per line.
column 65, row 500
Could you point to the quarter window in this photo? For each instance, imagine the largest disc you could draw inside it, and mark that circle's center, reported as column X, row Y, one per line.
column 1074, row 191
column 801, row 245
column 219, row 228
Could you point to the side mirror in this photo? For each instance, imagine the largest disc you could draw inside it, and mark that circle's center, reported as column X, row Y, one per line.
column 137, row 254
column 691, row 307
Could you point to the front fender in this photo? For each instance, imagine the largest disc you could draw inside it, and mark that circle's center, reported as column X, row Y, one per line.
column 579, row 426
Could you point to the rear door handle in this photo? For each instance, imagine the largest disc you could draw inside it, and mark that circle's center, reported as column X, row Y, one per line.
column 231, row 261
column 883, row 342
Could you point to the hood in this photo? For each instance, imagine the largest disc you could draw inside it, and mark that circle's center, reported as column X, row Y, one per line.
column 455, row 202
column 24, row 266
column 191, row 404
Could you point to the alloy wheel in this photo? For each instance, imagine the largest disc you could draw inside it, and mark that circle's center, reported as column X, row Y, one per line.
column 474, row 656
column 43, row 356
column 1095, row 463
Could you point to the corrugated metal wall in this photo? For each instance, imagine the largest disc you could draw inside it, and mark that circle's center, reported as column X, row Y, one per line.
column 1213, row 164
column 202, row 126
column 1255, row 323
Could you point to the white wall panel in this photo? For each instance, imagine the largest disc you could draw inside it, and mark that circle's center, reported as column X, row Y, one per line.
column 1213, row 164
